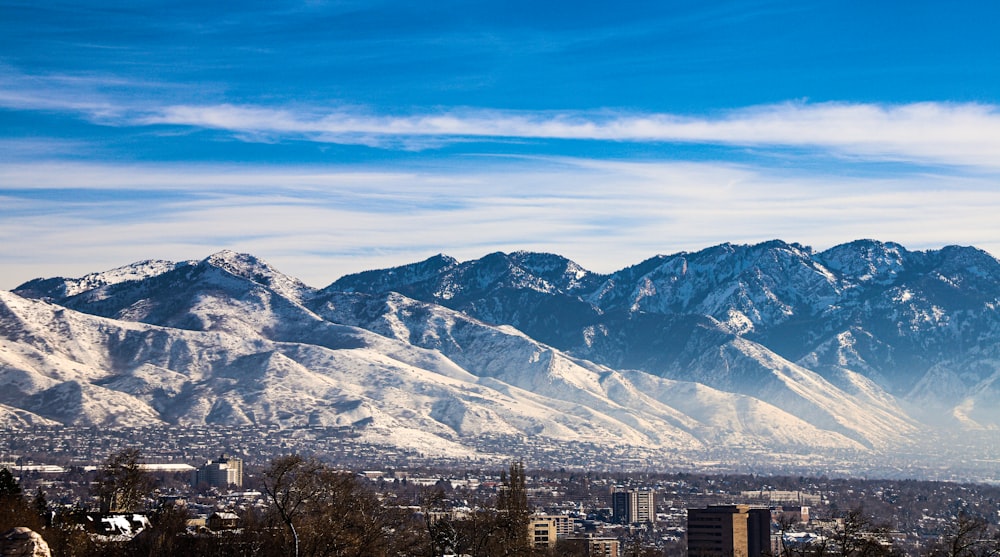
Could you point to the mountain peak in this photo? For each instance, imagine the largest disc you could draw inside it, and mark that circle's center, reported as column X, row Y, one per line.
column 230, row 259
column 251, row 268
column 866, row 260
column 441, row 259
column 395, row 278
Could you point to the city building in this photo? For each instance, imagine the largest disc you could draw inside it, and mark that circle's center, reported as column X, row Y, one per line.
column 729, row 531
column 222, row 472
column 791, row 514
column 595, row 546
column 223, row 521
column 542, row 531
column 564, row 524
column 786, row 497
column 633, row 506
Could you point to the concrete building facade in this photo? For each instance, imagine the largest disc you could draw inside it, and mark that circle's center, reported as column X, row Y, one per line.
column 594, row 546
column 729, row 531
column 633, row 506
column 542, row 531
column 222, row 472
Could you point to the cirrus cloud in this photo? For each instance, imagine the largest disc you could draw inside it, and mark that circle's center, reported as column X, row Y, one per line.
column 937, row 133
column 318, row 223
column 957, row 134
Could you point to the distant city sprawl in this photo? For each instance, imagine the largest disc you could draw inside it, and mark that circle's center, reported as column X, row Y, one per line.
column 201, row 491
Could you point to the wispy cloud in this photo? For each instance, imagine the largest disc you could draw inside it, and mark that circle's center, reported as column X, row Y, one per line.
column 961, row 134
column 318, row 223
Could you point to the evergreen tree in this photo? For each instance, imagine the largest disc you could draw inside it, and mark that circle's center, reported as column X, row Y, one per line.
column 9, row 488
column 513, row 513
column 14, row 510
column 41, row 506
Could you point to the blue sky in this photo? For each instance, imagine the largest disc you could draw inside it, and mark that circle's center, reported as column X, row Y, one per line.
column 333, row 137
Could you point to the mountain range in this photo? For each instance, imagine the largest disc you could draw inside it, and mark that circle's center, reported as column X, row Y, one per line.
column 865, row 348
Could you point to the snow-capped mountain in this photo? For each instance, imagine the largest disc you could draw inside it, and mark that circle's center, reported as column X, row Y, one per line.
column 864, row 347
column 865, row 312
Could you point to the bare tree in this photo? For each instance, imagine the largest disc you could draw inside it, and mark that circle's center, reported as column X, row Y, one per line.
column 801, row 545
column 121, row 483
column 331, row 514
column 968, row 537
column 859, row 536
column 290, row 483
column 478, row 533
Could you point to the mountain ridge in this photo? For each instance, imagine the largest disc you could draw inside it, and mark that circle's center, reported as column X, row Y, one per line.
column 860, row 347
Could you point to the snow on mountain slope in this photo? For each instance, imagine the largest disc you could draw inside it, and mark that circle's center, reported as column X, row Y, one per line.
column 845, row 350
column 867, row 412
column 16, row 418
column 462, row 406
column 504, row 358
column 735, row 418
column 509, row 356
column 981, row 408
column 194, row 377
column 763, row 345
column 396, row 279
column 445, row 279
column 863, row 413
column 865, row 309
column 249, row 267
column 146, row 374
column 131, row 374
column 227, row 292
column 864, row 261
column 62, row 288
column 762, row 284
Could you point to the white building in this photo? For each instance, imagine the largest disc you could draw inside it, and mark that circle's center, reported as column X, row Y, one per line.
column 222, row 472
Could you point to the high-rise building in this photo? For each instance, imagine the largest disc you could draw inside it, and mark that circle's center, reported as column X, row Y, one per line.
column 222, row 472
column 542, row 531
column 729, row 531
column 633, row 506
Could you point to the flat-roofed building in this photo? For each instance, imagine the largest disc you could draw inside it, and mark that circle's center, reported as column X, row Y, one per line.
column 564, row 524
column 633, row 506
column 792, row 514
column 222, row 472
column 594, row 546
column 729, row 531
column 542, row 531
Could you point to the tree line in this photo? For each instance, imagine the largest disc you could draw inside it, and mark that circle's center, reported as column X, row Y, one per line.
column 313, row 510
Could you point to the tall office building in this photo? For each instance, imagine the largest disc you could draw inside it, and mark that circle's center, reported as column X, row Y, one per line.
column 219, row 473
column 633, row 506
column 729, row 531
